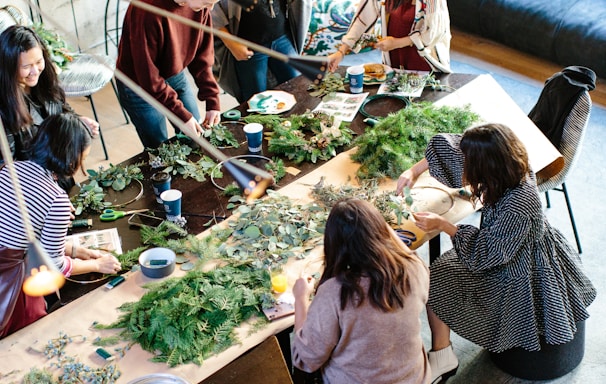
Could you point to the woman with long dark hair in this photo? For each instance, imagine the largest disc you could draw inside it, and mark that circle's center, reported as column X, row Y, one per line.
column 30, row 88
column 58, row 151
column 415, row 34
column 363, row 324
column 514, row 279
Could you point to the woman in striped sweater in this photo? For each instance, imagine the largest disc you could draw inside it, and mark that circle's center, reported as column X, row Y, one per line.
column 515, row 278
column 57, row 152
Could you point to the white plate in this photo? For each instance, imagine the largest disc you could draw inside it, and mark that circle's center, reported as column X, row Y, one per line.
column 388, row 74
column 271, row 102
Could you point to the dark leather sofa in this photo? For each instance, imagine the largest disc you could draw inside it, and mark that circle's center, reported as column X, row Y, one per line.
column 561, row 31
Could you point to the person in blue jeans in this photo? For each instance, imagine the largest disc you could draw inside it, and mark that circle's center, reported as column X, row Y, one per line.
column 155, row 52
column 242, row 72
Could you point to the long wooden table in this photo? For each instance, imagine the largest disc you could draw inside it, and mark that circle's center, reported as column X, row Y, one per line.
column 483, row 94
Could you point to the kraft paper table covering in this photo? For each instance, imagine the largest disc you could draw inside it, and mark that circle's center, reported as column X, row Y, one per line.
column 101, row 305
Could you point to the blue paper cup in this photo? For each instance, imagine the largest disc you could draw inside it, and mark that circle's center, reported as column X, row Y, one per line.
column 356, row 78
column 161, row 183
column 254, row 136
column 172, row 203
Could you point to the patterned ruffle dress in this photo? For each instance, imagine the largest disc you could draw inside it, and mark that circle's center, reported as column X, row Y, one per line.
column 514, row 278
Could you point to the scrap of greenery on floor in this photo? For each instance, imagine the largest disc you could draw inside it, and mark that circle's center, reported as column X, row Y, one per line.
column 187, row 319
column 310, row 136
column 399, row 140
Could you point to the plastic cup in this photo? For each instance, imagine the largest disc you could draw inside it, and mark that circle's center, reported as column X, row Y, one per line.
column 172, row 203
column 254, row 136
column 161, row 183
column 279, row 282
column 356, row 78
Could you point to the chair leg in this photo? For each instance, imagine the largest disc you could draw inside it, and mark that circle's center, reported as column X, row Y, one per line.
column 92, row 105
column 547, row 199
column 574, row 226
column 118, row 97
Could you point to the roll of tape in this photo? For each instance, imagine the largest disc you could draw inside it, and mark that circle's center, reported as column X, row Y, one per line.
column 232, row 115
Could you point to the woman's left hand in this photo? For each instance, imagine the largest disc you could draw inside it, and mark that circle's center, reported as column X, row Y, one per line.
column 91, row 124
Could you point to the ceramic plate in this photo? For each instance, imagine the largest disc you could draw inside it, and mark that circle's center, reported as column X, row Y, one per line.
column 388, row 74
column 271, row 102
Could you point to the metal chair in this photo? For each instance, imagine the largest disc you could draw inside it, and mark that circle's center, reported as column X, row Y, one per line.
column 573, row 133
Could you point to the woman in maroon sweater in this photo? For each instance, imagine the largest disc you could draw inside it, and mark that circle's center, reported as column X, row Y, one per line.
column 154, row 52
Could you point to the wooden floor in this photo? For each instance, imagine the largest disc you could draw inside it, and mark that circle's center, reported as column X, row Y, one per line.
column 483, row 52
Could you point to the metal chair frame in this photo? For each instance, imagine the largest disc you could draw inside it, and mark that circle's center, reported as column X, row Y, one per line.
column 570, row 147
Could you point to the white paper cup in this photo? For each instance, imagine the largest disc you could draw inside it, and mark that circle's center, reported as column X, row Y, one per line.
column 356, row 78
column 254, row 136
column 171, row 200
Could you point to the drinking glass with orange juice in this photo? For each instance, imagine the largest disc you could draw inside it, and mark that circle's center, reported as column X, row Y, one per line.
column 279, row 281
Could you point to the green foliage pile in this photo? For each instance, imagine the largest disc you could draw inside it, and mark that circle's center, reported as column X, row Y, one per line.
column 187, row 319
column 269, row 231
column 307, row 137
column 399, row 140
column 117, row 177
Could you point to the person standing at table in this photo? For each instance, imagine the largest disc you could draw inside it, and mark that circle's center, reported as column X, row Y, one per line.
column 416, row 34
column 514, row 278
column 58, row 150
column 154, row 52
column 280, row 25
column 30, row 88
column 363, row 324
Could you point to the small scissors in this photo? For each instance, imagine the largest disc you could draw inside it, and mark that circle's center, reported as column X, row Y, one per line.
column 111, row 215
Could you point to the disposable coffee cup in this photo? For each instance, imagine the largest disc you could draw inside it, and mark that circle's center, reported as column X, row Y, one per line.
column 172, row 203
column 356, row 78
column 161, row 183
column 254, row 136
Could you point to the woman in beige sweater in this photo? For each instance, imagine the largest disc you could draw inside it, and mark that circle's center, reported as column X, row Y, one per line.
column 363, row 324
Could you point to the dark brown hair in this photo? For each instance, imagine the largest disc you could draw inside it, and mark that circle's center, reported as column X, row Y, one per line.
column 358, row 243
column 14, row 112
column 495, row 161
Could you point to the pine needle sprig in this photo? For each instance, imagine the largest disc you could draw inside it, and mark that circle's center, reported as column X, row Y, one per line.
column 399, row 140
column 183, row 320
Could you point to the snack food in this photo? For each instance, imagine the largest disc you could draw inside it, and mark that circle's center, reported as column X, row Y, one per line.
column 374, row 72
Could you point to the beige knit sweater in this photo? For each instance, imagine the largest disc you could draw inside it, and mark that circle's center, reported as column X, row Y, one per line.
column 364, row 344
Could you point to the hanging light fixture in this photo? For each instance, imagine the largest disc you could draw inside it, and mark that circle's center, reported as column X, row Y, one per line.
column 42, row 275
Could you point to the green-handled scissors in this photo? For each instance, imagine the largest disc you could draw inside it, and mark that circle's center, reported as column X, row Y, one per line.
column 111, row 215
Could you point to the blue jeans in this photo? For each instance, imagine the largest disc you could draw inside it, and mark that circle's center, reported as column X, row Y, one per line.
column 252, row 73
column 149, row 122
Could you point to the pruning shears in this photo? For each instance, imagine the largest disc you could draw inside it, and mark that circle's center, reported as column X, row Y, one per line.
column 111, row 215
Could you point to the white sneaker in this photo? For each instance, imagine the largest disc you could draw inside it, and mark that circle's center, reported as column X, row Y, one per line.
column 443, row 363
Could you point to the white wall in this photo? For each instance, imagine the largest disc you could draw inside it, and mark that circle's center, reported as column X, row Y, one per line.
column 90, row 17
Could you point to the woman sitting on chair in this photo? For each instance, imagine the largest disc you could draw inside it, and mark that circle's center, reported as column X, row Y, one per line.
column 57, row 151
column 513, row 279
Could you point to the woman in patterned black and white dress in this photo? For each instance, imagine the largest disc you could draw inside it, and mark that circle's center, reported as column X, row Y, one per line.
column 514, row 278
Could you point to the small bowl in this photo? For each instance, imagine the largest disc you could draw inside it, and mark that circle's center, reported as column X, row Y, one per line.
column 157, row 262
